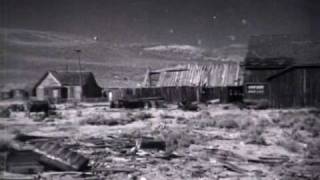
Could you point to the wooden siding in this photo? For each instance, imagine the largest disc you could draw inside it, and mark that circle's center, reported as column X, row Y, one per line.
column 47, row 82
column 210, row 75
column 258, row 75
column 298, row 87
column 91, row 89
column 178, row 94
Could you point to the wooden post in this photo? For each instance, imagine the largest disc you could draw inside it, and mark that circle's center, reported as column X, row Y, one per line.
column 198, row 89
column 304, row 87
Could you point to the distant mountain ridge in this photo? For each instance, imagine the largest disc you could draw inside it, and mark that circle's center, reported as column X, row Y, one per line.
column 26, row 54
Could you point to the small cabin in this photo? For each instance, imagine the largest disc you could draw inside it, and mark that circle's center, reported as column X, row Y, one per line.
column 19, row 94
column 62, row 85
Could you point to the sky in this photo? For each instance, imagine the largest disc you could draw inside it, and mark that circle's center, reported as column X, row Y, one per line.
column 209, row 23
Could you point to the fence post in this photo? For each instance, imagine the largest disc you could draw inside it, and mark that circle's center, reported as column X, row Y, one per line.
column 198, row 90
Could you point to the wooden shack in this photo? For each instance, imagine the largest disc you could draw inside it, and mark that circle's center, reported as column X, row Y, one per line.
column 296, row 86
column 19, row 94
column 194, row 82
column 66, row 85
column 270, row 54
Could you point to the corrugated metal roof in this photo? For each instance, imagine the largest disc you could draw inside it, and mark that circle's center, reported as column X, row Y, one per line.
column 211, row 75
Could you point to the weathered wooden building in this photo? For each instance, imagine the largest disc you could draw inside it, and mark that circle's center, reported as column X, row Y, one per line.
column 190, row 82
column 58, row 85
column 19, row 94
column 296, row 86
column 270, row 54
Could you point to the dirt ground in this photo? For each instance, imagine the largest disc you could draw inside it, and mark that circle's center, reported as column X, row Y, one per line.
column 217, row 142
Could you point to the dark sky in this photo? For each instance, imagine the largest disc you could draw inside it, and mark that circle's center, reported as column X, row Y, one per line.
column 199, row 22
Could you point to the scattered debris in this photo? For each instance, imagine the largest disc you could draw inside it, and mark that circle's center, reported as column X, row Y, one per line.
column 59, row 157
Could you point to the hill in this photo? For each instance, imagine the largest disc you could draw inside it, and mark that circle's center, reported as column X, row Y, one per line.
column 26, row 54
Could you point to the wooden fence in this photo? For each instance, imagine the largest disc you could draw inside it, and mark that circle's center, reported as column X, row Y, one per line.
column 178, row 94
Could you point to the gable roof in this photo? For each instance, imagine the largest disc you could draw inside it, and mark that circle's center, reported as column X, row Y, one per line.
column 72, row 78
column 67, row 78
column 215, row 74
column 281, row 50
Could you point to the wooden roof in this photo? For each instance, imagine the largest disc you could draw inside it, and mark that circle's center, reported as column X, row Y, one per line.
column 293, row 67
column 278, row 51
column 72, row 78
column 213, row 75
column 68, row 78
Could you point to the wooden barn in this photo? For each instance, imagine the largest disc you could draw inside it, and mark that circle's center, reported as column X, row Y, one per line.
column 65, row 85
column 190, row 82
column 296, row 86
column 271, row 54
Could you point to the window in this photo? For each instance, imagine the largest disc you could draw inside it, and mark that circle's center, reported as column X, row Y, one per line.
column 256, row 89
column 46, row 92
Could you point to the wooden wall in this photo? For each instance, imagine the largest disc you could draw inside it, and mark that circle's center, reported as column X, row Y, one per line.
column 184, row 93
column 298, row 87
column 91, row 89
column 257, row 77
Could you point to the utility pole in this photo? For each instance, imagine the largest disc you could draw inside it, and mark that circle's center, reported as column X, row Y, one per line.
column 78, row 51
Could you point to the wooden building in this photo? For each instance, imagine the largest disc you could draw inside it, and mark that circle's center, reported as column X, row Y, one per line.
column 5, row 94
column 55, row 85
column 191, row 82
column 19, row 94
column 270, row 54
column 296, row 86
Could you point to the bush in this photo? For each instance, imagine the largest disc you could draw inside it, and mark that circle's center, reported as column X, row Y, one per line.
column 182, row 120
column 203, row 120
column 254, row 135
column 140, row 116
column 301, row 120
column 290, row 145
column 227, row 123
column 99, row 119
column 313, row 150
column 4, row 112
column 166, row 116
column 5, row 143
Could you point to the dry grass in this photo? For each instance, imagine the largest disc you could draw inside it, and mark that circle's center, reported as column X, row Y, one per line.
column 99, row 119
column 6, row 141
column 254, row 135
column 4, row 112
column 291, row 145
column 140, row 115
